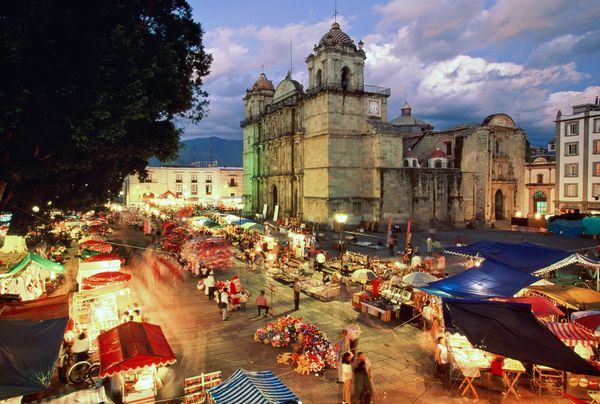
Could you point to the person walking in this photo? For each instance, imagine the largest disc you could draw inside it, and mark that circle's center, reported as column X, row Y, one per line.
column 392, row 244
column 62, row 363
column 297, row 295
column 346, row 372
column 344, row 348
column 362, row 386
column 361, row 357
column 224, row 302
column 209, row 284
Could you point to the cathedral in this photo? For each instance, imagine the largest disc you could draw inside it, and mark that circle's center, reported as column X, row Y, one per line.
column 310, row 153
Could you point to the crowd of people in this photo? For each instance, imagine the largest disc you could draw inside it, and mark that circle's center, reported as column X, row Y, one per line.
column 354, row 372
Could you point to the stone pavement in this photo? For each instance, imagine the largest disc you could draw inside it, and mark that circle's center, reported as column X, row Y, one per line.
column 402, row 359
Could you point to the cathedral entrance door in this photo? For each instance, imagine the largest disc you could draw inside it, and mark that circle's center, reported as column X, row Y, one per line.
column 499, row 205
column 275, row 201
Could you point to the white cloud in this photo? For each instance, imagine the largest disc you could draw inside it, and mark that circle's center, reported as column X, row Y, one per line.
column 564, row 100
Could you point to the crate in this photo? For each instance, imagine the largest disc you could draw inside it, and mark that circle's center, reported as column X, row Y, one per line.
column 386, row 316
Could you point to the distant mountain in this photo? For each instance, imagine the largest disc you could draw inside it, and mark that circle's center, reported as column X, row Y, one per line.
column 227, row 152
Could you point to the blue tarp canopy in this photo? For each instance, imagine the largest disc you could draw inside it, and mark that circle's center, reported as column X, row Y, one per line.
column 28, row 351
column 491, row 279
column 524, row 257
column 511, row 330
column 252, row 387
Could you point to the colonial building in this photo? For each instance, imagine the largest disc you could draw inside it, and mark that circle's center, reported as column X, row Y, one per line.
column 540, row 180
column 204, row 183
column 311, row 153
column 491, row 159
column 578, row 159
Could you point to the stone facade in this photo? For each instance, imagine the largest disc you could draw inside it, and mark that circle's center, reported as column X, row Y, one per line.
column 491, row 159
column 311, row 153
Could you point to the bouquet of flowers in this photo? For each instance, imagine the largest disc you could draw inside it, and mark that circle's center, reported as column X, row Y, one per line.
column 319, row 353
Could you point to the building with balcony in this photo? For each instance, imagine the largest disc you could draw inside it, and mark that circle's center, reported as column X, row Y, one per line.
column 578, row 159
column 200, row 183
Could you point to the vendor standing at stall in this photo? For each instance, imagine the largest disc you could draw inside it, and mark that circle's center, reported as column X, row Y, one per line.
column 319, row 261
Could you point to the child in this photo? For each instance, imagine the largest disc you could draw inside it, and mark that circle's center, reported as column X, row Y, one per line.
column 243, row 299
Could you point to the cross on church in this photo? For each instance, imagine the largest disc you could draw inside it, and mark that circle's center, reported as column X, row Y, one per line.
column 262, row 68
column 335, row 13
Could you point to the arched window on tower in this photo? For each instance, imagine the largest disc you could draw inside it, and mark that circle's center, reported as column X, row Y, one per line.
column 345, row 78
column 318, row 78
column 497, row 146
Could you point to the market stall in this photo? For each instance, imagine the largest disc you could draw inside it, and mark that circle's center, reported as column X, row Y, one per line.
column 571, row 334
column 132, row 354
column 570, row 297
column 252, row 387
column 471, row 362
column 511, row 330
column 29, row 275
column 99, row 309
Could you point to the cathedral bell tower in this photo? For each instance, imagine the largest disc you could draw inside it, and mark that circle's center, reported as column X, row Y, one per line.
column 255, row 101
column 336, row 64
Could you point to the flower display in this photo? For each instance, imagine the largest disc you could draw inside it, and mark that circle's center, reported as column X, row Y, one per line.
column 318, row 353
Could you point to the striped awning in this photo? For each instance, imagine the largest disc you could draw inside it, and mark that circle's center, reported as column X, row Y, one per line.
column 571, row 334
column 252, row 387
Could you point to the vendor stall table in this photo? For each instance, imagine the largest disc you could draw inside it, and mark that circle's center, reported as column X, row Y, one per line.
column 469, row 374
column 512, row 372
column 384, row 315
column 545, row 378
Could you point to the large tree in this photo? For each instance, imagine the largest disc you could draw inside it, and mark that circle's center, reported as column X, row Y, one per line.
column 90, row 90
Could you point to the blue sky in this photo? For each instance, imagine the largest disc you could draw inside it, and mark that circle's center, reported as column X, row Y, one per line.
column 455, row 61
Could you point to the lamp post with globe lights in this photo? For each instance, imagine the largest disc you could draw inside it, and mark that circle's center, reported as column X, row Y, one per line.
column 340, row 219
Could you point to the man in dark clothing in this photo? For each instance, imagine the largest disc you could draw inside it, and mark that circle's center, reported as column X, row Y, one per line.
column 296, row 295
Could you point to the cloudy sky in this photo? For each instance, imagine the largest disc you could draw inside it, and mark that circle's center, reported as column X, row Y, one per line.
column 455, row 61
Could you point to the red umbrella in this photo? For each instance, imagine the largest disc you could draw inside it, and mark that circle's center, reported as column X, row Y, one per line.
column 104, row 257
column 591, row 322
column 104, row 279
column 540, row 306
column 89, row 243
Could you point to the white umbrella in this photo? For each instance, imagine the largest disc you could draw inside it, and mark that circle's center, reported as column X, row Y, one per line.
column 418, row 279
column 363, row 275
column 396, row 280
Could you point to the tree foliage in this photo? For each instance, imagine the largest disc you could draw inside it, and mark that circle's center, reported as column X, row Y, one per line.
column 91, row 90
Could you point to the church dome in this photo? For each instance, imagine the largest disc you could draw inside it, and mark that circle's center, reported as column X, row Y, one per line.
column 437, row 153
column 336, row 36
column 287, row 88
column 409, row 123
column 410, row 154
column 263, row 84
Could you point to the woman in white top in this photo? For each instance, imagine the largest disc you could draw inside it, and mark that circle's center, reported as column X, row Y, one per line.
column 347, row 378
column 442, row 363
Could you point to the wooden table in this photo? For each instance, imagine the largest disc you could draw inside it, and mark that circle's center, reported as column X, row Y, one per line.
column 467, row 384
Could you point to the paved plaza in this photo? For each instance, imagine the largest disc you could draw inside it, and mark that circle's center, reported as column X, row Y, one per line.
column 402, row 357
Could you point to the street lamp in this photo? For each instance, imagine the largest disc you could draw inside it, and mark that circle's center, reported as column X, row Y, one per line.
column 341, row 218
column 35, row 209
